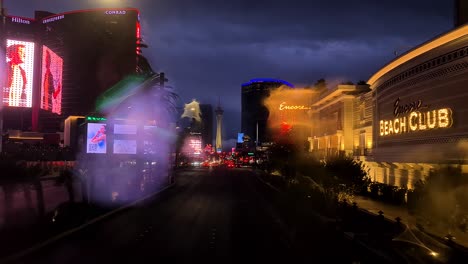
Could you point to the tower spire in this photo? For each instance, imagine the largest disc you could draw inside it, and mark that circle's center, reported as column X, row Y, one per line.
column 219, row 120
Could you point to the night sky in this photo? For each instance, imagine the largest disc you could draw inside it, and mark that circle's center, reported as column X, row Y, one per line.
column 209, row 47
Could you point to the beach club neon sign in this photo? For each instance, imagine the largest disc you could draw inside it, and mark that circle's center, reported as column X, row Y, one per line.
column 415, row 120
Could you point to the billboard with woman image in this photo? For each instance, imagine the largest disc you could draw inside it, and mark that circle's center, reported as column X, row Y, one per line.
column 51, row 85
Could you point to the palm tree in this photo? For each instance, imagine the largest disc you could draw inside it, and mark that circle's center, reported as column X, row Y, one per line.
column 33, row 175
column 15, row 174
column 321, row 85
column 7, row 181
column 83, row 179
column 66, row 178
column 142, row 94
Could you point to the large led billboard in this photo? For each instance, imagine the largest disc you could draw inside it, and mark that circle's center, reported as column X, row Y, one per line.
column 17, row 90
column 150, row 144
column 125, row 146
column 51, row 85
column 125, row 129
column 96, row 141
column 193, row 145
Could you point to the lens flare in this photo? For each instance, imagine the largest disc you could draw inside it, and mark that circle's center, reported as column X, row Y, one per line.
column 192, row 110
column 140, row 139
column 290, row 111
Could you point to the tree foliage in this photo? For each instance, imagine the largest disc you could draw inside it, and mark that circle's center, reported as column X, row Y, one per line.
column 348, row 170
column 321, row 85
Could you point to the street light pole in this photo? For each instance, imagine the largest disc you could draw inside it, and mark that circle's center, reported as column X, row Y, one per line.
column 2, row 72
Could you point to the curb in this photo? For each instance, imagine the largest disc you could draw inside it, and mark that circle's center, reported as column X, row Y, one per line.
column 56, row 238
column 427, row 232
column 268, row 184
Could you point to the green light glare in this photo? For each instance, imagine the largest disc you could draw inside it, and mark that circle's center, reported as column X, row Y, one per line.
column 115, row 95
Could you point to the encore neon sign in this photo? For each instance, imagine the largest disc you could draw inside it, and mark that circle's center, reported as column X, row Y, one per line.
column 284, row 106
column 417, row 121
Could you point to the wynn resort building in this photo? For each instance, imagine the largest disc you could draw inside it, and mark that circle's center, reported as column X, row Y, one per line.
column 411, row 117
column 420, row 110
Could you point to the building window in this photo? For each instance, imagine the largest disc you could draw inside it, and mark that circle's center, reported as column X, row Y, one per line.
column 362, row 112
column 362, row 140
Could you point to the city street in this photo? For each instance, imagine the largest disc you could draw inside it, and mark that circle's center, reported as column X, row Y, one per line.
column 249, row 132
column 210, row 215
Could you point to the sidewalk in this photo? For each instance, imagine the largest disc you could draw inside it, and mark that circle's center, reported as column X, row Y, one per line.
column 391, row 212
column 23, row 202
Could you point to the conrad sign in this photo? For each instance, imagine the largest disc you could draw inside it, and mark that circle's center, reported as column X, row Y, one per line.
column 115, row 12
column 409, row 118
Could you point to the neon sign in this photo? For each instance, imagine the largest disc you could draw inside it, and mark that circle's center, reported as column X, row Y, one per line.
column 284, row 106
column 399, row 109
column 52, row 19
column 20, row 20
column 417, row 121
column 115, row 12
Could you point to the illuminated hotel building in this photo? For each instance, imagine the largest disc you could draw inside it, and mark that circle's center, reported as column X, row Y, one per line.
column 420, row 111
column 70, row 59
column 341, row 121
column 254, row 117
column 461, row 12
column 99, row 47
column 362, row 125
column 207, row 124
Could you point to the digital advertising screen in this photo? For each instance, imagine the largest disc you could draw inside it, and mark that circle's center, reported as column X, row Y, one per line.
column 124, row 146
column 51, row 85
column 150, row 142
column 193, row 145
column 96, row 138
column 150, row 131
column 240, row 137
column 125, row 129
column 17, row 89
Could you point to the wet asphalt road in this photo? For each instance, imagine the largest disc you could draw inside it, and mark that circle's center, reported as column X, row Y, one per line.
column 209, row 216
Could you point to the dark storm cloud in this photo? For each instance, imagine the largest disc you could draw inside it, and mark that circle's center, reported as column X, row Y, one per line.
column 209, row 47
column 311, row 19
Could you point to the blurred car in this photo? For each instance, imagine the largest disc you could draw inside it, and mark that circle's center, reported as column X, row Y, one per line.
column 196, row 164
column 230, row 164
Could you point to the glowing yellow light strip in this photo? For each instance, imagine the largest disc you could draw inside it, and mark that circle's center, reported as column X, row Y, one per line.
column 26, row 137
column 432, row 44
